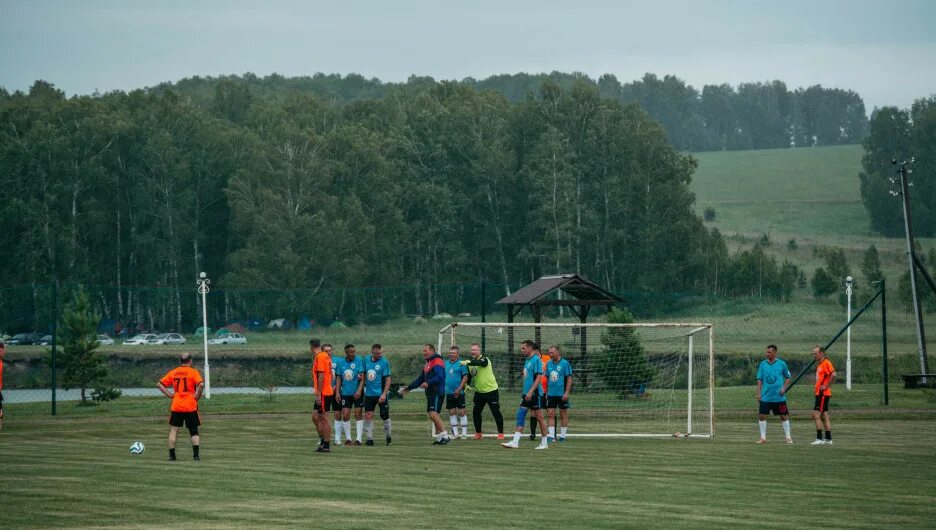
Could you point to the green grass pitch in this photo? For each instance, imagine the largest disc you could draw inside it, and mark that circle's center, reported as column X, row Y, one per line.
column 259, row 469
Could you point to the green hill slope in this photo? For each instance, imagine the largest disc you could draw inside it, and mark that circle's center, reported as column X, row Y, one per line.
column 810, row 195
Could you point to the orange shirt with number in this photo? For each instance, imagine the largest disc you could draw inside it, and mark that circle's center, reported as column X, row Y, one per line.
column 184, row 380
column 824, row 377
column 322, row 365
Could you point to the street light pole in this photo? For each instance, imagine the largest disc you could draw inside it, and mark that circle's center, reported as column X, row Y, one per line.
column 203, row 283
column 849, row 285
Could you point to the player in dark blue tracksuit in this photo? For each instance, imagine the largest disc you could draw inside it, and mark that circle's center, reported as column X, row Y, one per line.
column 432, row 379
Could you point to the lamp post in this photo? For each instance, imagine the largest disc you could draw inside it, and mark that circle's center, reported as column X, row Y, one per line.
column 849, row 286
column 203, row 283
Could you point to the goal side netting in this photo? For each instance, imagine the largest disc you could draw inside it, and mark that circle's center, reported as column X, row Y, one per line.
column 629, row 380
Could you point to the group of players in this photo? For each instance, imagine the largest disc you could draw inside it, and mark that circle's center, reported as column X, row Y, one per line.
column 773, row 381
column 342, row 383
column 362, row 383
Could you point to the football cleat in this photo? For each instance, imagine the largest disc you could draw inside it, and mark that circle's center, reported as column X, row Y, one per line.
column 510, row 445
column 761, row 441
column 788, row 440
column 369, row 443
column 818, row 442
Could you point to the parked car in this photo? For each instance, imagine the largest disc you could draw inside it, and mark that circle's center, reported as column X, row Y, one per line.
column 45, row 340
column 169, row 338
column 143, row 338
column 25, row 338
column 230, row 338
column 105, row 340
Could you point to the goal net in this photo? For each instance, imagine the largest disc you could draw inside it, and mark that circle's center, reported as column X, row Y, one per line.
column 636, row 380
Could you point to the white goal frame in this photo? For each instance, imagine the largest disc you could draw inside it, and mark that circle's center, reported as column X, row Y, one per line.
column 694, row 329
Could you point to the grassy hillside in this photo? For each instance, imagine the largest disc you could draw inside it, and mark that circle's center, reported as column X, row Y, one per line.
column 810, row 195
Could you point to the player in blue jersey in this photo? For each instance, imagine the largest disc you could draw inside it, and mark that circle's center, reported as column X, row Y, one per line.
column 350, row 369
column 531, row 400
column 773, row 376
column 456, row 377
column 376, row 388
column 559, row 387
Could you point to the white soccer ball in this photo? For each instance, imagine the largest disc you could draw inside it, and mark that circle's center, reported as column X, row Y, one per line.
column 137, row 448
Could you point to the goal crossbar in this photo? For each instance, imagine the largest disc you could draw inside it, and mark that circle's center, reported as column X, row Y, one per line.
column 704, row 379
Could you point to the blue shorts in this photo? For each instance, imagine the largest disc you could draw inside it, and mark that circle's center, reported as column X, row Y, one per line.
column 434, row 403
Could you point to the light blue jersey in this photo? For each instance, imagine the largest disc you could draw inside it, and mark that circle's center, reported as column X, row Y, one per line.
column 556, row 374
column 336, row 359
column 348, row 372
column 771, row 377
column 454, row 372
column 374, row 372
column 531, row 368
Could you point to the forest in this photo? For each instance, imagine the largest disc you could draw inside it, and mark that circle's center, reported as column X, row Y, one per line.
column 288, row 184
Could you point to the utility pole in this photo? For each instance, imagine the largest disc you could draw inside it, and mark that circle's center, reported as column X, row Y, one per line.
column 904, row 173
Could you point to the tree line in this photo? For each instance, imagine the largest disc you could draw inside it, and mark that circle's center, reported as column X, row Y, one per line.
column 438, row 185
column 753, row 115
column 898, row 135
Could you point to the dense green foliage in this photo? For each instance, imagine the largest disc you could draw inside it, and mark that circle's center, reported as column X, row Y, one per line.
column 758, row 115
column 899, row 135
column 440, row 183
column 81, row 363
column 622, row 363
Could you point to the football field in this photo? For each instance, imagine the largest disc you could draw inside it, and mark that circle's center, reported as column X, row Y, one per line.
column 259, row 469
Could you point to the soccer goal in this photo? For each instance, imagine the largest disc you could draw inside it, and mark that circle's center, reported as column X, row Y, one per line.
column 629, row 380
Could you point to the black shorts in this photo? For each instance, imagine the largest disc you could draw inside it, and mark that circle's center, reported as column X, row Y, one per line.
column 452, row 402
column 491, row 399
column 434, row 403
column 822, row 403
column 556, row 402
column 191, row 420
column 534, row 403
column 371, row 403
column 323, row 403
column 777, row 408
column 348, row 402
column 336, row 404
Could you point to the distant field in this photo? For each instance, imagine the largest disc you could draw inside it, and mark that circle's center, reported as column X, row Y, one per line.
column 810, row 195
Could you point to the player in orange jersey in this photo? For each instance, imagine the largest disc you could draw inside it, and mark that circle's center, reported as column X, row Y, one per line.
column 324, row 393
column 187, row 386
column 825, row 376
column 545, row 358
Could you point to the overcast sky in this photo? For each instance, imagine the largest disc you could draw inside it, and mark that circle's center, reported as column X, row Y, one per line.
column 884, row 50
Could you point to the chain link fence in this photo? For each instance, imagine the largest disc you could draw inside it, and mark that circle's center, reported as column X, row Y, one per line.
column 258, row 339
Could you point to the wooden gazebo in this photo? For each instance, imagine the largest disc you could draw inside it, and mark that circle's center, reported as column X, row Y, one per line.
column 566, row 290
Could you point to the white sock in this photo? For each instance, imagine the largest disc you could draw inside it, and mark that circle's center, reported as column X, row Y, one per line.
column 369, row 429
column 516, row 438
column 359, row 427
column 453, row 421
column 464, row 425
column 763, row 429
column 337, row 432
column 786, row 428
column 552, row 431
column 563, row 431
column 346, row 425
column 544, row 441
column 386, row 427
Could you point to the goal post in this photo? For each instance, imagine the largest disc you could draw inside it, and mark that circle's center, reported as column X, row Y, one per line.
column 629, row 380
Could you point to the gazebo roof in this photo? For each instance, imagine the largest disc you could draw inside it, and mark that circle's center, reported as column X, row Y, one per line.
column 581, row 292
